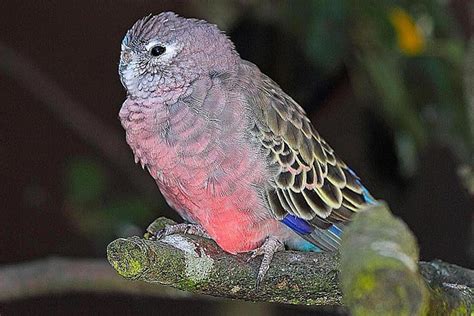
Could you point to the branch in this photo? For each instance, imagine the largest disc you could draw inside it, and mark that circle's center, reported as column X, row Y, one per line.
column 200, row 266
column 61, row 275
column 380, row 273
column 379, row 270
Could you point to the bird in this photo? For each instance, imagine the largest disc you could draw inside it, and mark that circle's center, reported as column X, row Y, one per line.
column 230, row 151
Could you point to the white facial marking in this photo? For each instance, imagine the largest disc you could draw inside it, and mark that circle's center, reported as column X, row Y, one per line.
column 152, row 44
column 171, row 50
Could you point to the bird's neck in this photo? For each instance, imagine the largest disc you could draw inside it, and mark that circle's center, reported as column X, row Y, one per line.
column 145, row 120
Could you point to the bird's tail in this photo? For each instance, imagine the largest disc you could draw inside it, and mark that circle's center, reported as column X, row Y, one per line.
column 330, row 239
column 326, row 239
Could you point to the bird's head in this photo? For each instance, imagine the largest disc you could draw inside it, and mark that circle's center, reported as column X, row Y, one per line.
column 165, row 52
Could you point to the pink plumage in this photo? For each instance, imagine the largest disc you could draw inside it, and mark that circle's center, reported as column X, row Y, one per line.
column 229, row 150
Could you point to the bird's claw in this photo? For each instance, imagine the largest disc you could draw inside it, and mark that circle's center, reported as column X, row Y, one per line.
column 183, row 228
column 255, row 253
column 267, row 249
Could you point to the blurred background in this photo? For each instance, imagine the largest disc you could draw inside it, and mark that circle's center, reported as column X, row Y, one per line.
column 389, row 84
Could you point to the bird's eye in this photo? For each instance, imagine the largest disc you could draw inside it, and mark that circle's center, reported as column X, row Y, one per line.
column 157, row 50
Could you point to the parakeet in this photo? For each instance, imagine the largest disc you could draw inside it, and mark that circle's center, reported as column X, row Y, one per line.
column 230, row 151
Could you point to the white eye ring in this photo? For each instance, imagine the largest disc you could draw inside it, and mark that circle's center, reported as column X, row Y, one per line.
column 170, row 50
column 152, row 44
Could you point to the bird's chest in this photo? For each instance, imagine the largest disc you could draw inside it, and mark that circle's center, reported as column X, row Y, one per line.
column 206, row 171
column 142, row 125
column 174, row 143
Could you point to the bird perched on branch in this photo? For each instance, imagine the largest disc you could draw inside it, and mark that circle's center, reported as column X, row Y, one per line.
column 231, row 152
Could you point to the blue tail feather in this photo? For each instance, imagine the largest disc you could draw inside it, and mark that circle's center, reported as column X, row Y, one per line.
column 368, row 198
column 335, row 229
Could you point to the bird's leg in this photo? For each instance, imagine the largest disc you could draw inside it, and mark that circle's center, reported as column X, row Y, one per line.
column 267, row 249
column 183, row 228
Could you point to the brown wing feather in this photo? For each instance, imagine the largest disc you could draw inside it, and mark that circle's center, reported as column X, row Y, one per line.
column 311, row 182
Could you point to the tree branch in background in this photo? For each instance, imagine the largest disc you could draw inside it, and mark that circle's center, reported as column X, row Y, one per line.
column 466, row 171
column 104, row 139
column 61, row 275
column 379, row 268
column 469, row 84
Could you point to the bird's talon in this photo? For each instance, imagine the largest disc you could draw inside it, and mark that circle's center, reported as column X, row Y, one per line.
column 186, row 229
column 252, row 256
column 149, row 236
column 259, row 280
column 255, row 253
column 160, row 234
column 267, row 249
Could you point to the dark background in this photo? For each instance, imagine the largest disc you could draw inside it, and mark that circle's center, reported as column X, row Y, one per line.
column 381, row 80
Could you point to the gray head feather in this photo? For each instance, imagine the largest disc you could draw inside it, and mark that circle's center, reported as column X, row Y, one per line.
column 164, row 52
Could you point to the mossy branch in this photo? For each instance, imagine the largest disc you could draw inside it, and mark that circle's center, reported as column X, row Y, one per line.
column 198, row 265
column 379, row 268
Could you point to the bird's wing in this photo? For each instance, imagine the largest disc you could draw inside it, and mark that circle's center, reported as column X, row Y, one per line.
column 313, row 192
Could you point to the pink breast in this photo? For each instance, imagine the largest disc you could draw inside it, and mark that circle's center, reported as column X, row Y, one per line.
column 208, row 177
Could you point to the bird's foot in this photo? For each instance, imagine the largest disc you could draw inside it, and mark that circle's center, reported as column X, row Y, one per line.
column 183, row 228
column 267, row 249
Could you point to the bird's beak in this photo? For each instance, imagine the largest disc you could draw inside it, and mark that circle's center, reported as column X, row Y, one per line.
column 125, row 59
column 126, row 56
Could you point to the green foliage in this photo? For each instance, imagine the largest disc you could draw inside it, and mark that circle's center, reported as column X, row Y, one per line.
column 85, row 180
column 96, row 209
column 405, row 59
column 327, row 37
